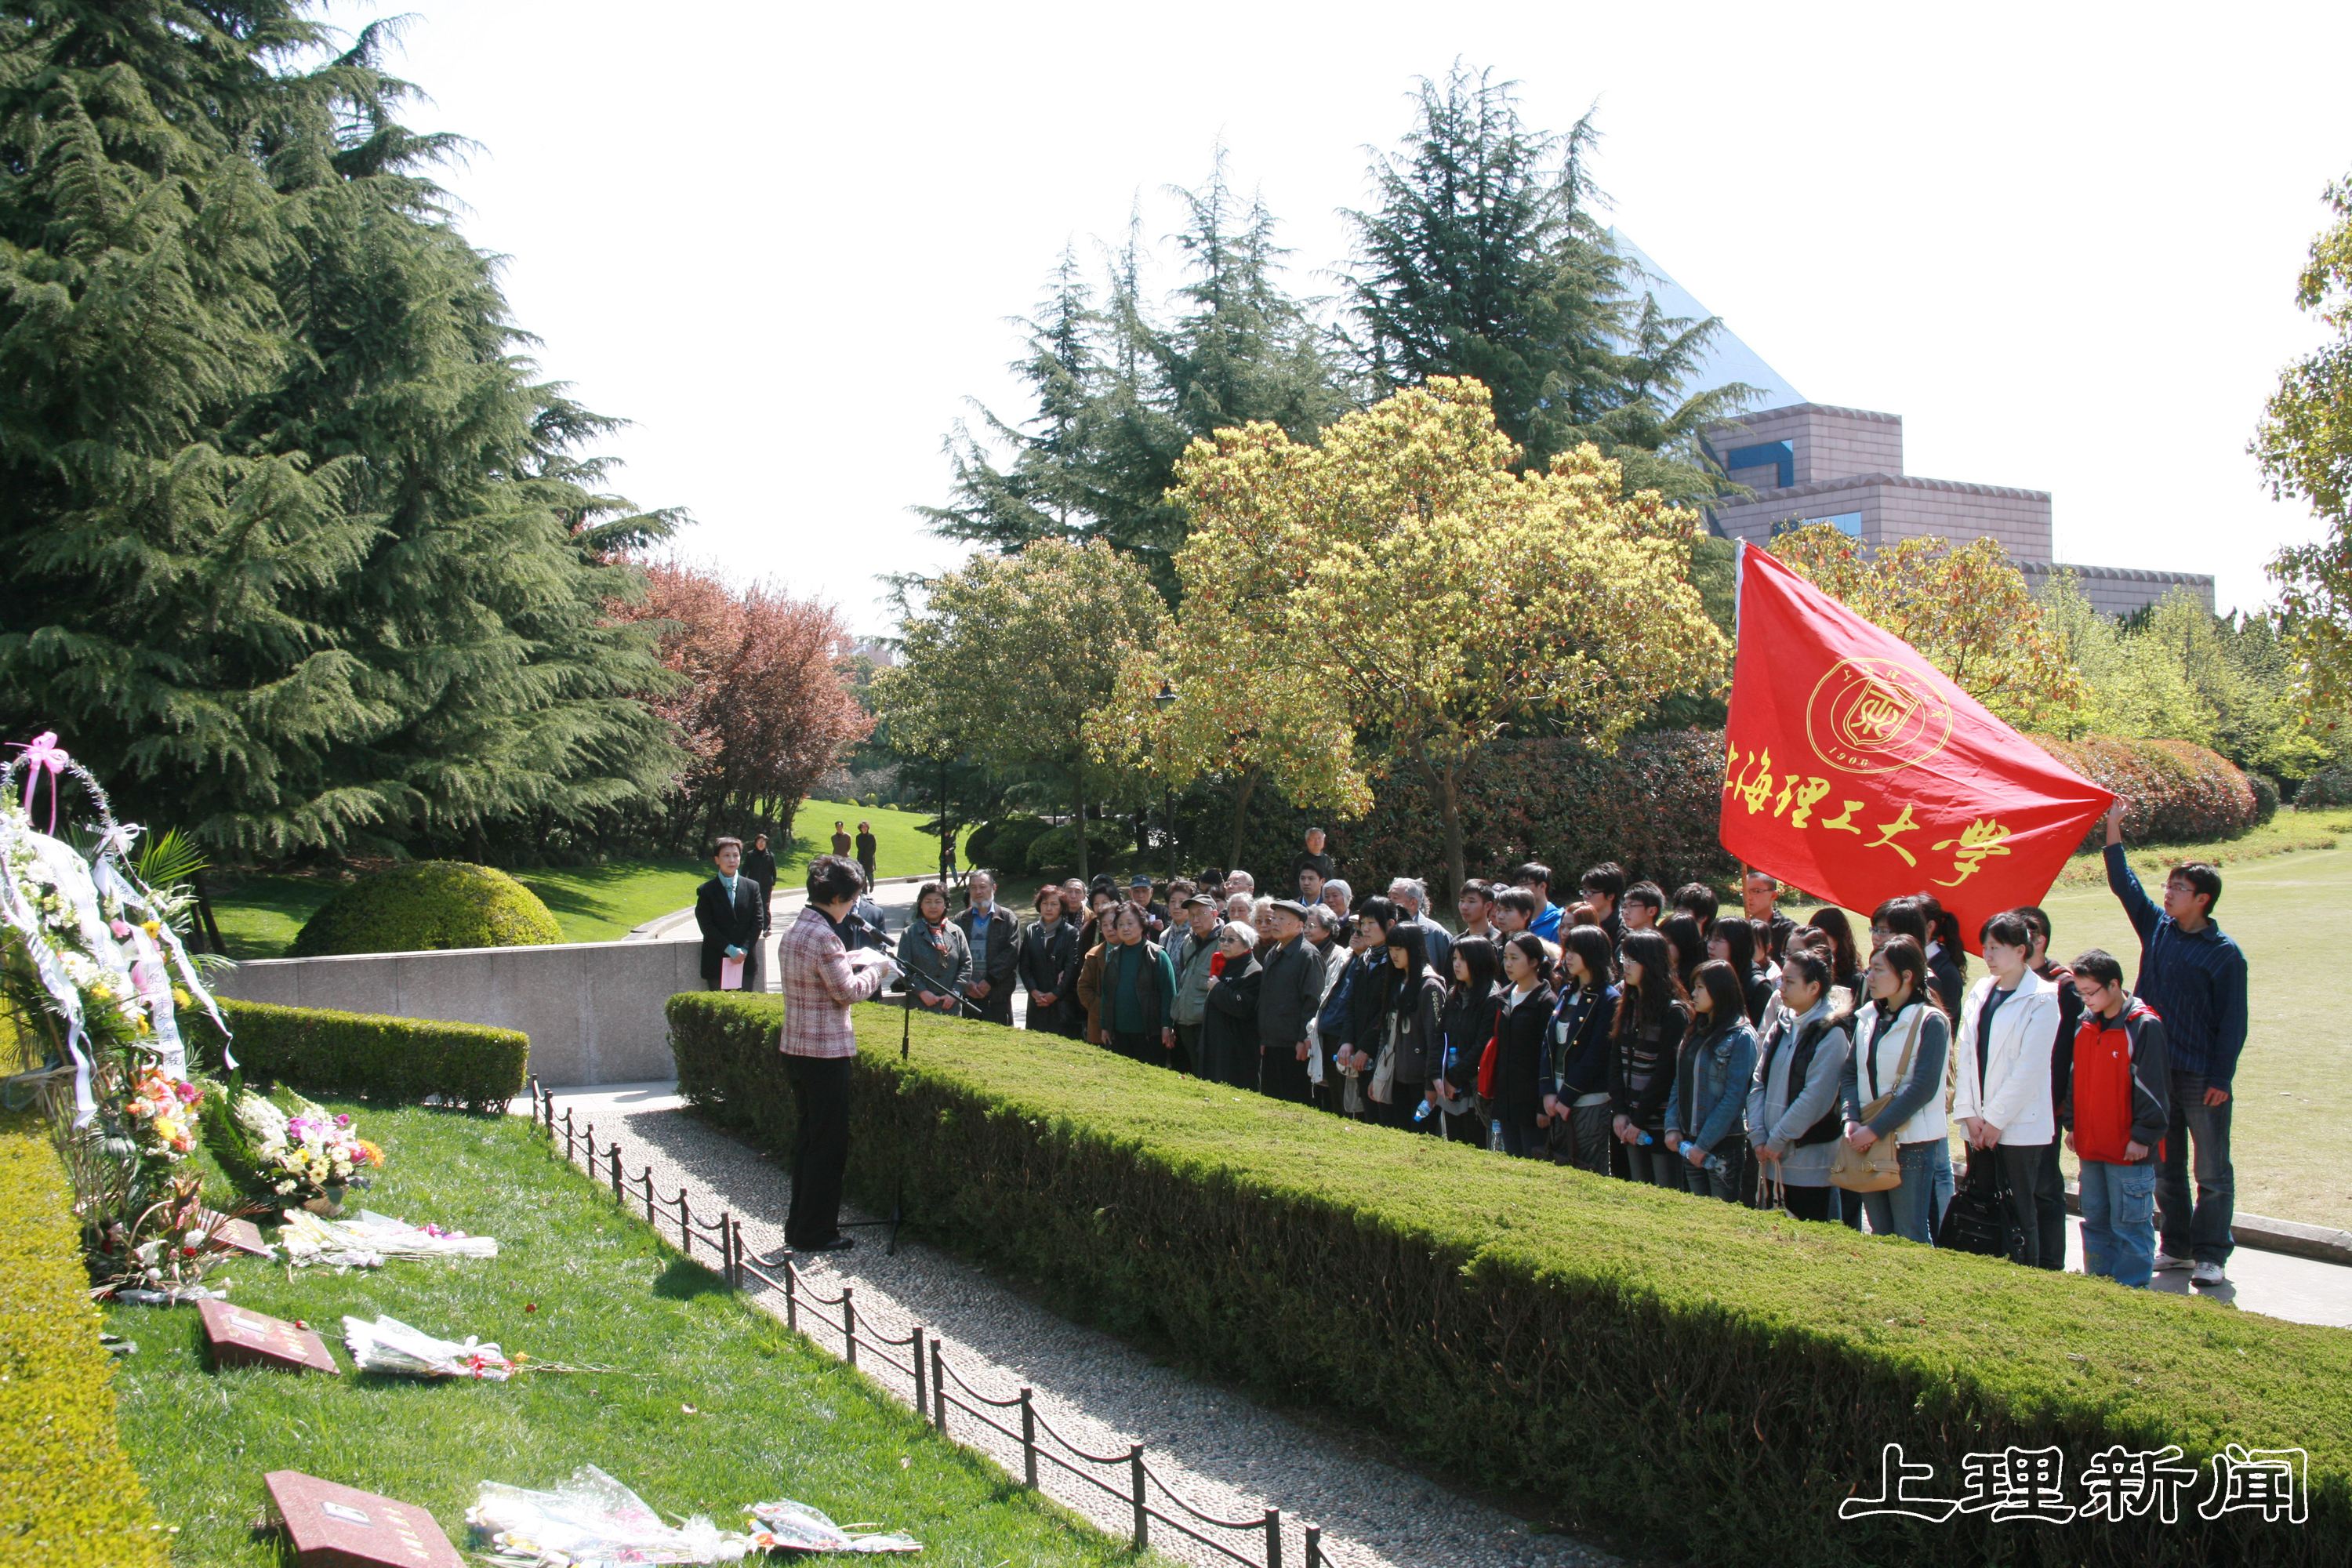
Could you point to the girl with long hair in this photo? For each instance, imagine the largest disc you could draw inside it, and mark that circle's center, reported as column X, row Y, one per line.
column 1519, row 1044
column 1706, row 1118
column 1576, row 1085
column 1650, row 1024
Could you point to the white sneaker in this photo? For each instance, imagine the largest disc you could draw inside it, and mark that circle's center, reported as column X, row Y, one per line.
column 2209, row 1274
column 2165, row 1260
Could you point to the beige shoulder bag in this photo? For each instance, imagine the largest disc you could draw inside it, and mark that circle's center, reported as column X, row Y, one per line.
column 1880, row 1166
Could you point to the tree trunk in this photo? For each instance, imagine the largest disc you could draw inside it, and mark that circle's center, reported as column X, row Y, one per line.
column 1444, row 784
column 1241, row 818
column 1078, row 792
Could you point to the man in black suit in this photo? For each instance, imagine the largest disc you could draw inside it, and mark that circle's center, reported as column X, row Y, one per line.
column 760, row 866
column 730, row 910
column 994, row 934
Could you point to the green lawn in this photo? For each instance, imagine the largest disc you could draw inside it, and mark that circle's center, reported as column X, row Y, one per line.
column 260, row 912
column 576, row 1281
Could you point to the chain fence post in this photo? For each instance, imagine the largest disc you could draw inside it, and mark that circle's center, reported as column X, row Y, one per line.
column 1274, row 1538
column 1314, row 1546
column 1135, row 1474
column 685, row 1224
column 791, row 1294
column 939, row 1389
column 649, row 1195
column 1028, row 1440
column 849, row 1321
column 619, row 1197
column 733, row 1261
column 915, row 1358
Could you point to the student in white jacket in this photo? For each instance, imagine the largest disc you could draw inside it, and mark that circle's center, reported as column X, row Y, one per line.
column 2008, row 1026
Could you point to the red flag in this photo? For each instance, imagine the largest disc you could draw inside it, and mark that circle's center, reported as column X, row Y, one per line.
column 1859, row 770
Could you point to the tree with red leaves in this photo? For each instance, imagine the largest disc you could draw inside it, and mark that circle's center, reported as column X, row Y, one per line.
column 764, row 711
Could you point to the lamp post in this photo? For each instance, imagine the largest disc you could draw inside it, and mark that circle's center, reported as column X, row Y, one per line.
column 1162, row 699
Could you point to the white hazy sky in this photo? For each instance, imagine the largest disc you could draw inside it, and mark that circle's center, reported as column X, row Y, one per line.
column 2060, row 240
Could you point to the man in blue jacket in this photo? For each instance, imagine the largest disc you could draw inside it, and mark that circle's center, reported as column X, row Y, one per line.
column 2195, row 979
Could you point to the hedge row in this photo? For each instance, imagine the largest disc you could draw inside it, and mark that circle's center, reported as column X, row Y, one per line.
column 1695, row 1381
column 1652, row 806
column 2180, row 792
column 399, row 1061
column 69, row 1496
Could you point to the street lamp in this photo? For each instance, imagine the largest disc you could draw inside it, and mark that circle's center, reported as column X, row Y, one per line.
column 1166, row 695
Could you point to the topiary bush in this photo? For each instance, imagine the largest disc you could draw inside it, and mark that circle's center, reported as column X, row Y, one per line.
column 69, row 1497
column 427, row 907
column 1057, row 848
column 2266, row 797
column 2321, row 790
column 368, row 1056
column 1707, row 1381
column 2179, row 792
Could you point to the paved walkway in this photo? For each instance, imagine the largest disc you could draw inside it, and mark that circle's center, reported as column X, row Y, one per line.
column 1223, row 1452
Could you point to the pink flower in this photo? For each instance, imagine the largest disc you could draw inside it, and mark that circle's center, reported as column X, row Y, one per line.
column 120, row 929
column 189, row 1093
column 342, row 1121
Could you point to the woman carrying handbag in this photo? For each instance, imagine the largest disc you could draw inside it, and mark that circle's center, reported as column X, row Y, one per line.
column 1895, row 1152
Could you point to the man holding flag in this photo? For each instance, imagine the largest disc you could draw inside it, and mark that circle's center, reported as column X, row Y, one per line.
column 1856, row 769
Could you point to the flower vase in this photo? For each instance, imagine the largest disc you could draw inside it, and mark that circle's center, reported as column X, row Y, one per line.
column 328, row 1204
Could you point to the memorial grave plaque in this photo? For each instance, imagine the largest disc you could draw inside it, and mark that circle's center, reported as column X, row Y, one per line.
column 242, row 1338
column 332, row 1526
column 240, row 1234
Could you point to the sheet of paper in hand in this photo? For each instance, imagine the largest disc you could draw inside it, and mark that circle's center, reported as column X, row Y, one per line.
column 243, row 1338
column 332, row 1526
column 730, row 975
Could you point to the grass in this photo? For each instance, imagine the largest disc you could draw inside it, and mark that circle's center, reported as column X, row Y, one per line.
column 259, row 912
column 773, row 1416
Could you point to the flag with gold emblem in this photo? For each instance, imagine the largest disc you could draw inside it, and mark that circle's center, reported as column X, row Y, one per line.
column 1857, row 771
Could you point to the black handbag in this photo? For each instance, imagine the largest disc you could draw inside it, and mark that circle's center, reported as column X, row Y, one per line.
column 1977, row 1221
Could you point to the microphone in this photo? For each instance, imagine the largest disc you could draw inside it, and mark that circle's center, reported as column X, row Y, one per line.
column 868, row 931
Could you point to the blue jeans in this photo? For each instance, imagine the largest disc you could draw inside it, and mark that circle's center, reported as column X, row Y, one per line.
column 2201, row 1233
column 2119, row 1221
column 1910, row 1210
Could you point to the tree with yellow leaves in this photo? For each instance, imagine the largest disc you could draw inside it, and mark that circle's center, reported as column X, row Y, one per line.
column 1400, row 583
column 1964, row 608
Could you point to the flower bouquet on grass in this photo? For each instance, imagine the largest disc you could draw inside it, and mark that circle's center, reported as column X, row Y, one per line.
column 282, row 1143
column 161, row 1256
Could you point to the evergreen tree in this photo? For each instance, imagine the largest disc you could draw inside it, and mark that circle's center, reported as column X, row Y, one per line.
column 1120, row 393
column 1485, row 258
column 300, row 555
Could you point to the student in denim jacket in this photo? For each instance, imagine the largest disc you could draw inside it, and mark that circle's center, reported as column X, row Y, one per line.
column 1707, row 1114
column 1575, row 1080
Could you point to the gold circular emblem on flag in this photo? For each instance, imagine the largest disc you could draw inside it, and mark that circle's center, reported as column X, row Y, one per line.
column 1876, row 716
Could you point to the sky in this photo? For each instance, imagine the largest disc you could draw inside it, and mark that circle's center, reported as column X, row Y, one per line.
column 789, row 242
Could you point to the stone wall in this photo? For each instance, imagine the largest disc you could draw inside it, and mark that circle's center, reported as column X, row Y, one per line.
column 593, row 1010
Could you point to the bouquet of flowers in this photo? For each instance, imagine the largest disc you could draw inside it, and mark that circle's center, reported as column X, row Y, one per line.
column 162, row 1113
column 285, row 1144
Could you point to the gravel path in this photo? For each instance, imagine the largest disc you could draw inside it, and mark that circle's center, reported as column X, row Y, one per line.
column 1216, row 1448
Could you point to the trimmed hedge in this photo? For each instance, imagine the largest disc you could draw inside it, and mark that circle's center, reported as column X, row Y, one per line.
column 1695, row 1380
column 366, row 1055
column 1652, row 805
column 2179, row 791
column 428, row 907
column 2328, row 788
column 69, row 1496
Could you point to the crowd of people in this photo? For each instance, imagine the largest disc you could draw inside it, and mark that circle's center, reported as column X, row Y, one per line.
column 1734, row 1055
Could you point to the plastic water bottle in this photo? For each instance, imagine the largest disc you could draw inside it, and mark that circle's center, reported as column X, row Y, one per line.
column 1427, row 1105
column 1646, row 1141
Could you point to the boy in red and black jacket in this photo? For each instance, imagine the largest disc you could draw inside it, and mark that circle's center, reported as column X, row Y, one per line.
column 2115, row 1111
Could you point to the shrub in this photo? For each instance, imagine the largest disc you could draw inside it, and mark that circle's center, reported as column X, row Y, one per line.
column 1057, row 848
column 1652, row 805
column 366, row 1056
column 2180, row 792
column 69, row 1496
column 2266, row 799
column 1705, row 1379
column 427, row 907
column 2330, row 787
column 1004, row 842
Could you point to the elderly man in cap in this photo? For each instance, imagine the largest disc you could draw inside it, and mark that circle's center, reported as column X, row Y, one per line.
column 1191, row 950
column 1288, row 996
column 1155, row 916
